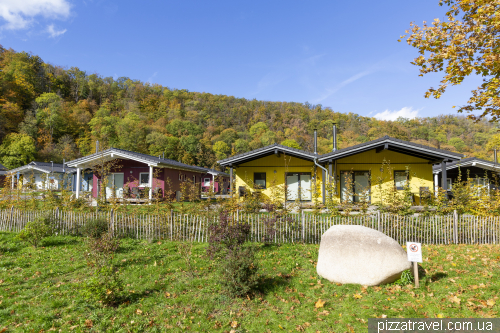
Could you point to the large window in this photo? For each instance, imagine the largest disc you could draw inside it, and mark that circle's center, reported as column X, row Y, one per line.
column 144, row 179
column 400, row 179
column 259, row 180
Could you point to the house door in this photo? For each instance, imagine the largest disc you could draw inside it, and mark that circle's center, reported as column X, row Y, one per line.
column 355, row 186
column 298, row 186
column 292, row 187
column 114, row 185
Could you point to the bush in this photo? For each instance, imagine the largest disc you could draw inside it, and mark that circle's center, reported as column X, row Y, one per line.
column 95, row 228
column 35, row 231
column 100, row 251
column 238, row 271
column 226, row 235
column 103, row 286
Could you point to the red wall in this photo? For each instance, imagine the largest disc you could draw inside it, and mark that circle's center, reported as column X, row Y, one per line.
column 131, row 170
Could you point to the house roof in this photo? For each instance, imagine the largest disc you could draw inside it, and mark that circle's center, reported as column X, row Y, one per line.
column 386, row 142
column 392, row 144
column 266, row 151
column 468, row 162
column 114, row 153
column 45, row 167
column 2, row 168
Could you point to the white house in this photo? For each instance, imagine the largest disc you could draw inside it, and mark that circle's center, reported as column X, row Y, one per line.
column 44, row 175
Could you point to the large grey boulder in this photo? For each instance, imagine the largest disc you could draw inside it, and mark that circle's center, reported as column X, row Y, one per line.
column 357, row 254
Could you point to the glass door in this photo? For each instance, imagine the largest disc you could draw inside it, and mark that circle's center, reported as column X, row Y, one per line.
column 298, row 186
column 118, row 184
column 292, row 187
column 361, row 186
column 355, row 186
column 305, row 187
column 114, row 185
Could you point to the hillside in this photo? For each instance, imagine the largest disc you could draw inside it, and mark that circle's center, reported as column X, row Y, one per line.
column 50, row 113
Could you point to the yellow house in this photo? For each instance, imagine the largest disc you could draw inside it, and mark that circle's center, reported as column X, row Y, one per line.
column 360, row 172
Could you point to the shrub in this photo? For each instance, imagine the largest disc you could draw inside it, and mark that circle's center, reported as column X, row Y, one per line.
column 226, row 235
column 103, row 286
column 238, row 271
column 100, row 251
column 94, row 228
column 35, row 231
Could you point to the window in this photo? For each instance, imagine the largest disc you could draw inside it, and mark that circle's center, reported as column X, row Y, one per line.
column 480, row 185
column 180, row 176
column 194, row 179
column 144, row 179
column 448, row 183
column 400, row 179
column 259, row 180
column 206, row 182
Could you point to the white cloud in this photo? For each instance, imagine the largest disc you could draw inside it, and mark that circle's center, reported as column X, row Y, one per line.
column 19, row 14
column 405, row 112
column 53, row 32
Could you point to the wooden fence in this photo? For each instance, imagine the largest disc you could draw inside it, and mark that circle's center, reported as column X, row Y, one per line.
column 304, row 227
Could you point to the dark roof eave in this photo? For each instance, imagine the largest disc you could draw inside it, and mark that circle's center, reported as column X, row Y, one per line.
column 396, row 143
column 266, row 151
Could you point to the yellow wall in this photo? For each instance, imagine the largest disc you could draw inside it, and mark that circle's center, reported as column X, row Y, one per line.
column 420, row 170
column 275, row 168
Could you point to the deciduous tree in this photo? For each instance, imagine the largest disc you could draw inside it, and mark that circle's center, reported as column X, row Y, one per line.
column 466, row 43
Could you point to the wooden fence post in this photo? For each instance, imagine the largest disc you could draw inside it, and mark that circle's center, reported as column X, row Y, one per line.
column 303, row 227
column 455, row 227
column 11, row 217
column 378, row 220
column 111, row 224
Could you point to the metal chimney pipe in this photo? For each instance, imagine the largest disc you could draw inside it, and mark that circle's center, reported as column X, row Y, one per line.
column 97, row 146
column 334, row 137
column 315, row 141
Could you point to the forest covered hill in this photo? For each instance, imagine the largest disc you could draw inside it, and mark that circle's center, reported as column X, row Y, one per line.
column 51, row 113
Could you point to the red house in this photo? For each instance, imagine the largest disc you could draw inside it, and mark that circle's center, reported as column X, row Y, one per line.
column 136, row 175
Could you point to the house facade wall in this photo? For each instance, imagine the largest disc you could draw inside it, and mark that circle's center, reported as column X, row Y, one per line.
column 381, row 181
column 275, row 168
column 169, row 180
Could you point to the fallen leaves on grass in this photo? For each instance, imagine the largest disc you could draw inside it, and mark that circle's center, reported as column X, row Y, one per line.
column 89, row 323
column 455, row 299
column 234, row 324
column 319, row 303
column 138, row 311
column 357, row 296
column 490, row 302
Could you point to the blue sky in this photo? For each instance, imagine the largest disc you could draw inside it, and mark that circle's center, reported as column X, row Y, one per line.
column 341, row 54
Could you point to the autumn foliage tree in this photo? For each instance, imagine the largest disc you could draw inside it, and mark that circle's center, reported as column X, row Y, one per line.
column 466, row 43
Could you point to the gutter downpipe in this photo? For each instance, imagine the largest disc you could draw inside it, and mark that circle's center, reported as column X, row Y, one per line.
column 324, row 180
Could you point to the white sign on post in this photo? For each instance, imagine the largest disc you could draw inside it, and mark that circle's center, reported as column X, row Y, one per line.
column 414, row 251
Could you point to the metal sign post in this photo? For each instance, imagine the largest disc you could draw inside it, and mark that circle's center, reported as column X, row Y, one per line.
column 414, row 251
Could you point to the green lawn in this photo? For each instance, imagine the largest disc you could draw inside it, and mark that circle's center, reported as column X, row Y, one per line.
column 39, row 290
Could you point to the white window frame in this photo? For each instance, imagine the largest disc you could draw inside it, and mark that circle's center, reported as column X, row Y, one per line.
column 143, row 184
column 205, row 182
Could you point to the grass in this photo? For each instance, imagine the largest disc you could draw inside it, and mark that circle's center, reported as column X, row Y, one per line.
column 39, row 290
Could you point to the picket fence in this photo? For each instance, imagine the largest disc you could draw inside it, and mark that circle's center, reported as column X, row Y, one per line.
column 292, row 228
